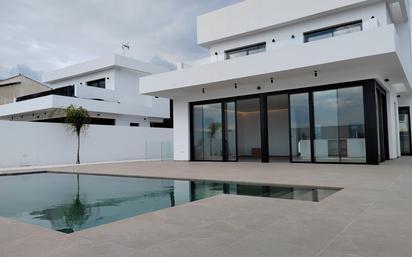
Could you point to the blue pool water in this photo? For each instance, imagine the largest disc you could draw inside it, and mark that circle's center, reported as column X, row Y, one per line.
column 71, row 202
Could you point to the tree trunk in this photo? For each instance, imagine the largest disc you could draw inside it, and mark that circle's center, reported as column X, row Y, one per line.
column 78, row 148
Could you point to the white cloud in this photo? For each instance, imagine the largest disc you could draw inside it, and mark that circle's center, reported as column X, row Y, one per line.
column 46, row 34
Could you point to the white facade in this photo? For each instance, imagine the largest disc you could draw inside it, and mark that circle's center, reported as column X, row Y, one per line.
column 380, row 51
column 38, row 144
column 119, row 101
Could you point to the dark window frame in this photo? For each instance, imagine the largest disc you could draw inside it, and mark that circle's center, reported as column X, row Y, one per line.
column 407, row 111
column 330, row 29
column 246, row 49
column 369, row 88
column 97, row 83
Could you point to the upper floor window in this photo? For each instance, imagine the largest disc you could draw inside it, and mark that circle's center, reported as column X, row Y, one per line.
column 100, row 83
column 248, row 50
column 333, row 31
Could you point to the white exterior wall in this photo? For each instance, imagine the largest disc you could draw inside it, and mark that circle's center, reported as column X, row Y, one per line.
column 30, row 143
column 283, row 35
column 381, row 51
column 240, row 19
column 393, row 124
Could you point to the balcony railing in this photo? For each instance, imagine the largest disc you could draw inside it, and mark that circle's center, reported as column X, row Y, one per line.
column 62, row 91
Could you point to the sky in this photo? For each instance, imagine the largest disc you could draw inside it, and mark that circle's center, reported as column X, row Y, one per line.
column 42, row 35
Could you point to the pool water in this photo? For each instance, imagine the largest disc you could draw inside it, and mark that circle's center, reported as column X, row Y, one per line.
column 72, row 202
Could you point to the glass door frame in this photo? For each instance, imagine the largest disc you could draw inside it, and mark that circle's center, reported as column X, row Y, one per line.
column 371, row 87
column 407, row 109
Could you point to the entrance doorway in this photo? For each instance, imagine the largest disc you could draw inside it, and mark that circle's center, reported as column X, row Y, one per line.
column 249, row 130
column 278, row 128
column 405, row 130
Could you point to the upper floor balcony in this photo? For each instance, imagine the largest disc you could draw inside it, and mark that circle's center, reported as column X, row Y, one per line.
column 378, row 50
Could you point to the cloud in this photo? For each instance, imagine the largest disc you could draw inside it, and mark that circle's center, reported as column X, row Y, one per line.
column 26, row 71
column 163, row 63
column 49, row 34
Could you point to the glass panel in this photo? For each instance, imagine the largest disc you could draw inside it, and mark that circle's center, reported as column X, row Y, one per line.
column 230, row 133
column 236, row 54
column 256, row 49
column 347, row 29
column 351, row 125
column 333, row 32
column 319, row 35
column 198, row 132
column 246, row 51
column 248, row 129
column 278, row 127
column 326, row 141
column 212, row 131
column 404, row 129
column 300, row 128
column 381, row 125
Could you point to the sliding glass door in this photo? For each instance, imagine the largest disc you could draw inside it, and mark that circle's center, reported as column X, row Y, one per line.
column 405, row 130
column 300, row 139
column 339, row 125
column 207, row 128
column 321, row 124
column 230, row 131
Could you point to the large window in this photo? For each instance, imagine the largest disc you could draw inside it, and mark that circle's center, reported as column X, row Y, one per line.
column 405, row 130
column 207, row 128
column 300, row 128
column 339, row 125
column 100, row 83
column 254, row 49
column 333, row 31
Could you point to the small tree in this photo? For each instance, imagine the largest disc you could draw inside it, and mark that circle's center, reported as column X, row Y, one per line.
column 77, row 120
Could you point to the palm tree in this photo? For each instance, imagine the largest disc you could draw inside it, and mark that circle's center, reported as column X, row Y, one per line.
column 77, row 120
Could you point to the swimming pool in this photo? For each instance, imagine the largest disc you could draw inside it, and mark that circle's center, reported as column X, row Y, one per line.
column 72, row 202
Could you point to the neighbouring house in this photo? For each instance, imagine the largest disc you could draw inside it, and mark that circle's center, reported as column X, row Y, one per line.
column 107, row 87
column 17, row 86
column 322, row 81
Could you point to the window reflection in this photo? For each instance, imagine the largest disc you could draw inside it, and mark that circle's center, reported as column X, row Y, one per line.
column 207, row 123
column 300, row 127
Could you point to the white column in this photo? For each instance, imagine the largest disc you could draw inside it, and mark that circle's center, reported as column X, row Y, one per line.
column 393, row 121
column 181, row 130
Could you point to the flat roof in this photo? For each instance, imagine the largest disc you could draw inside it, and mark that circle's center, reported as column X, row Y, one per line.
column 99, row 64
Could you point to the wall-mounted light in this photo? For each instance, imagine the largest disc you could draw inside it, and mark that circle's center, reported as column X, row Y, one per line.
column 98, row 115
column 107, row 78
column 398, row 96
column 203, row 90
column 271, row 80
column 387, row 80
column 315, row 73
column 235, row 85
column 373, row 17
column 258, row 88
column 292, row 37
column 81, row 83
column 156, row 97
column 273, row 40
column 216, row 54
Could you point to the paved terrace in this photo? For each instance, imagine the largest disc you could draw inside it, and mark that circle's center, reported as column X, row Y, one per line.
column 370, row 217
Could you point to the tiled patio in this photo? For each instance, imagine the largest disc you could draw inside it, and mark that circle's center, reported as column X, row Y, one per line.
column 370, row 217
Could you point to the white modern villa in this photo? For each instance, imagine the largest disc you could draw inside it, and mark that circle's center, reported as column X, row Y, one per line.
column 322, row 81
column 107, row 87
